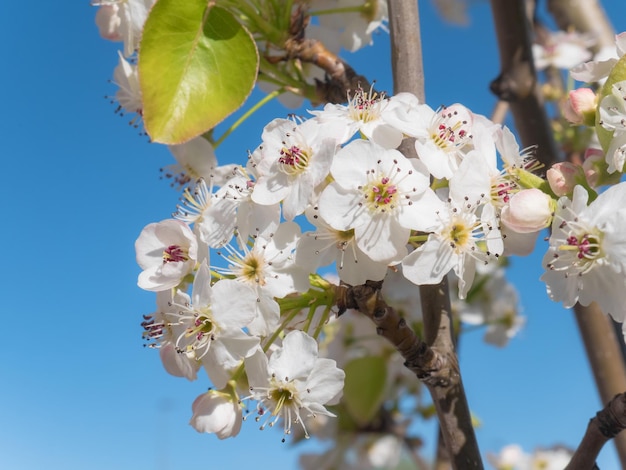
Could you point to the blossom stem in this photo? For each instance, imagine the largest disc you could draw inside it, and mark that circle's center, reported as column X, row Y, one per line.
column 290, row 316
column 266, row 99
column 322, row 322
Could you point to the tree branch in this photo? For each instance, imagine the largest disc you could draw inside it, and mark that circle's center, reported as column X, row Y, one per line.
column 340, row 77
column 607, row 424
column 448, row 395
column 605, row 358
column 437, row 369
column 517, row 82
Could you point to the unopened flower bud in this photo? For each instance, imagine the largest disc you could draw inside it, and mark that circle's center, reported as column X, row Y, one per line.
column 109, row 22
column 580, row 107
column 217, row 413
column 528, row 211
column 563, row 176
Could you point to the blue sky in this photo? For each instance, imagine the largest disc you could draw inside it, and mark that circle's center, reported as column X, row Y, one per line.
column 78, row 389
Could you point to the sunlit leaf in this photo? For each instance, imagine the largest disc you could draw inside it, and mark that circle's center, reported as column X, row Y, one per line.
column 197, row 65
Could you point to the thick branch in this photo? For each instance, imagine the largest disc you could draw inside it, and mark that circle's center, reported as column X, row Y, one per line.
column 448, row 395
column 517, row 82
column 438, row 369
column 607, row 424
column 340, row 77
column 406, row 48
column 428, row 364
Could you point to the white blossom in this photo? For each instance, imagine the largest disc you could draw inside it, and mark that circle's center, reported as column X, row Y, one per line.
column 294, row 382
column 209, row 325
column 382, row 120
column 444, row 143
column 294, row 160
column 166, row 251
column 327, row 245
column 379, row 194
column 587, row 253
column 122, row 20
column 457, row 242
column 597, row 70
column 218, row 413
column 562, row 50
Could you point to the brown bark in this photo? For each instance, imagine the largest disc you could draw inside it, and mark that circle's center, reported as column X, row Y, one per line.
column 606, row 360
column 607, row 424
column 517, row 82
column 444, row 379
column 437, row 368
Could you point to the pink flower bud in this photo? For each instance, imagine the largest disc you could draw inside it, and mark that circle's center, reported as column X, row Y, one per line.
column 580, row 107
column 563, row 176
column 109, row 22
column 216, row 413
column 528, row 211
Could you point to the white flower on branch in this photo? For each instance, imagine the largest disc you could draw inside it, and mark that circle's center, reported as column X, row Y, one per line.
column 381, row 195
column 122, row 20
column 208, row 326
column 292, row 382
column 382, row 120
column 562, row 50
column 597, row 70
column 587, row 253
column 266, row 270
column 458, row 241
column 166, row 251
column 445, row 141
column 326, row 245
column 293, row 161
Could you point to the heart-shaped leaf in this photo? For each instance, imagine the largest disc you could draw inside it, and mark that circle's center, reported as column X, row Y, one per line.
column 197, row 65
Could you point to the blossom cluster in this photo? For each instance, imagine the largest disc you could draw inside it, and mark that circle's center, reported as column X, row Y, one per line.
column 333, row 189
column 236, row 270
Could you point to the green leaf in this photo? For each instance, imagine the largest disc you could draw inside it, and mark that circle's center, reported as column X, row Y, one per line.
column 618, row 74
column 197, row 65
column 364, row 387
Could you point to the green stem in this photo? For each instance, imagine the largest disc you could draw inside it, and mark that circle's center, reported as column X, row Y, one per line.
column 280, row 329
column 418, row 239
column 249, row 113
column 322, row 322
column 271, row 73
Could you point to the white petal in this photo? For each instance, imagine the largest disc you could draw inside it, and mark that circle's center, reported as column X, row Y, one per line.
column 296, row 358
column 429, row 263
